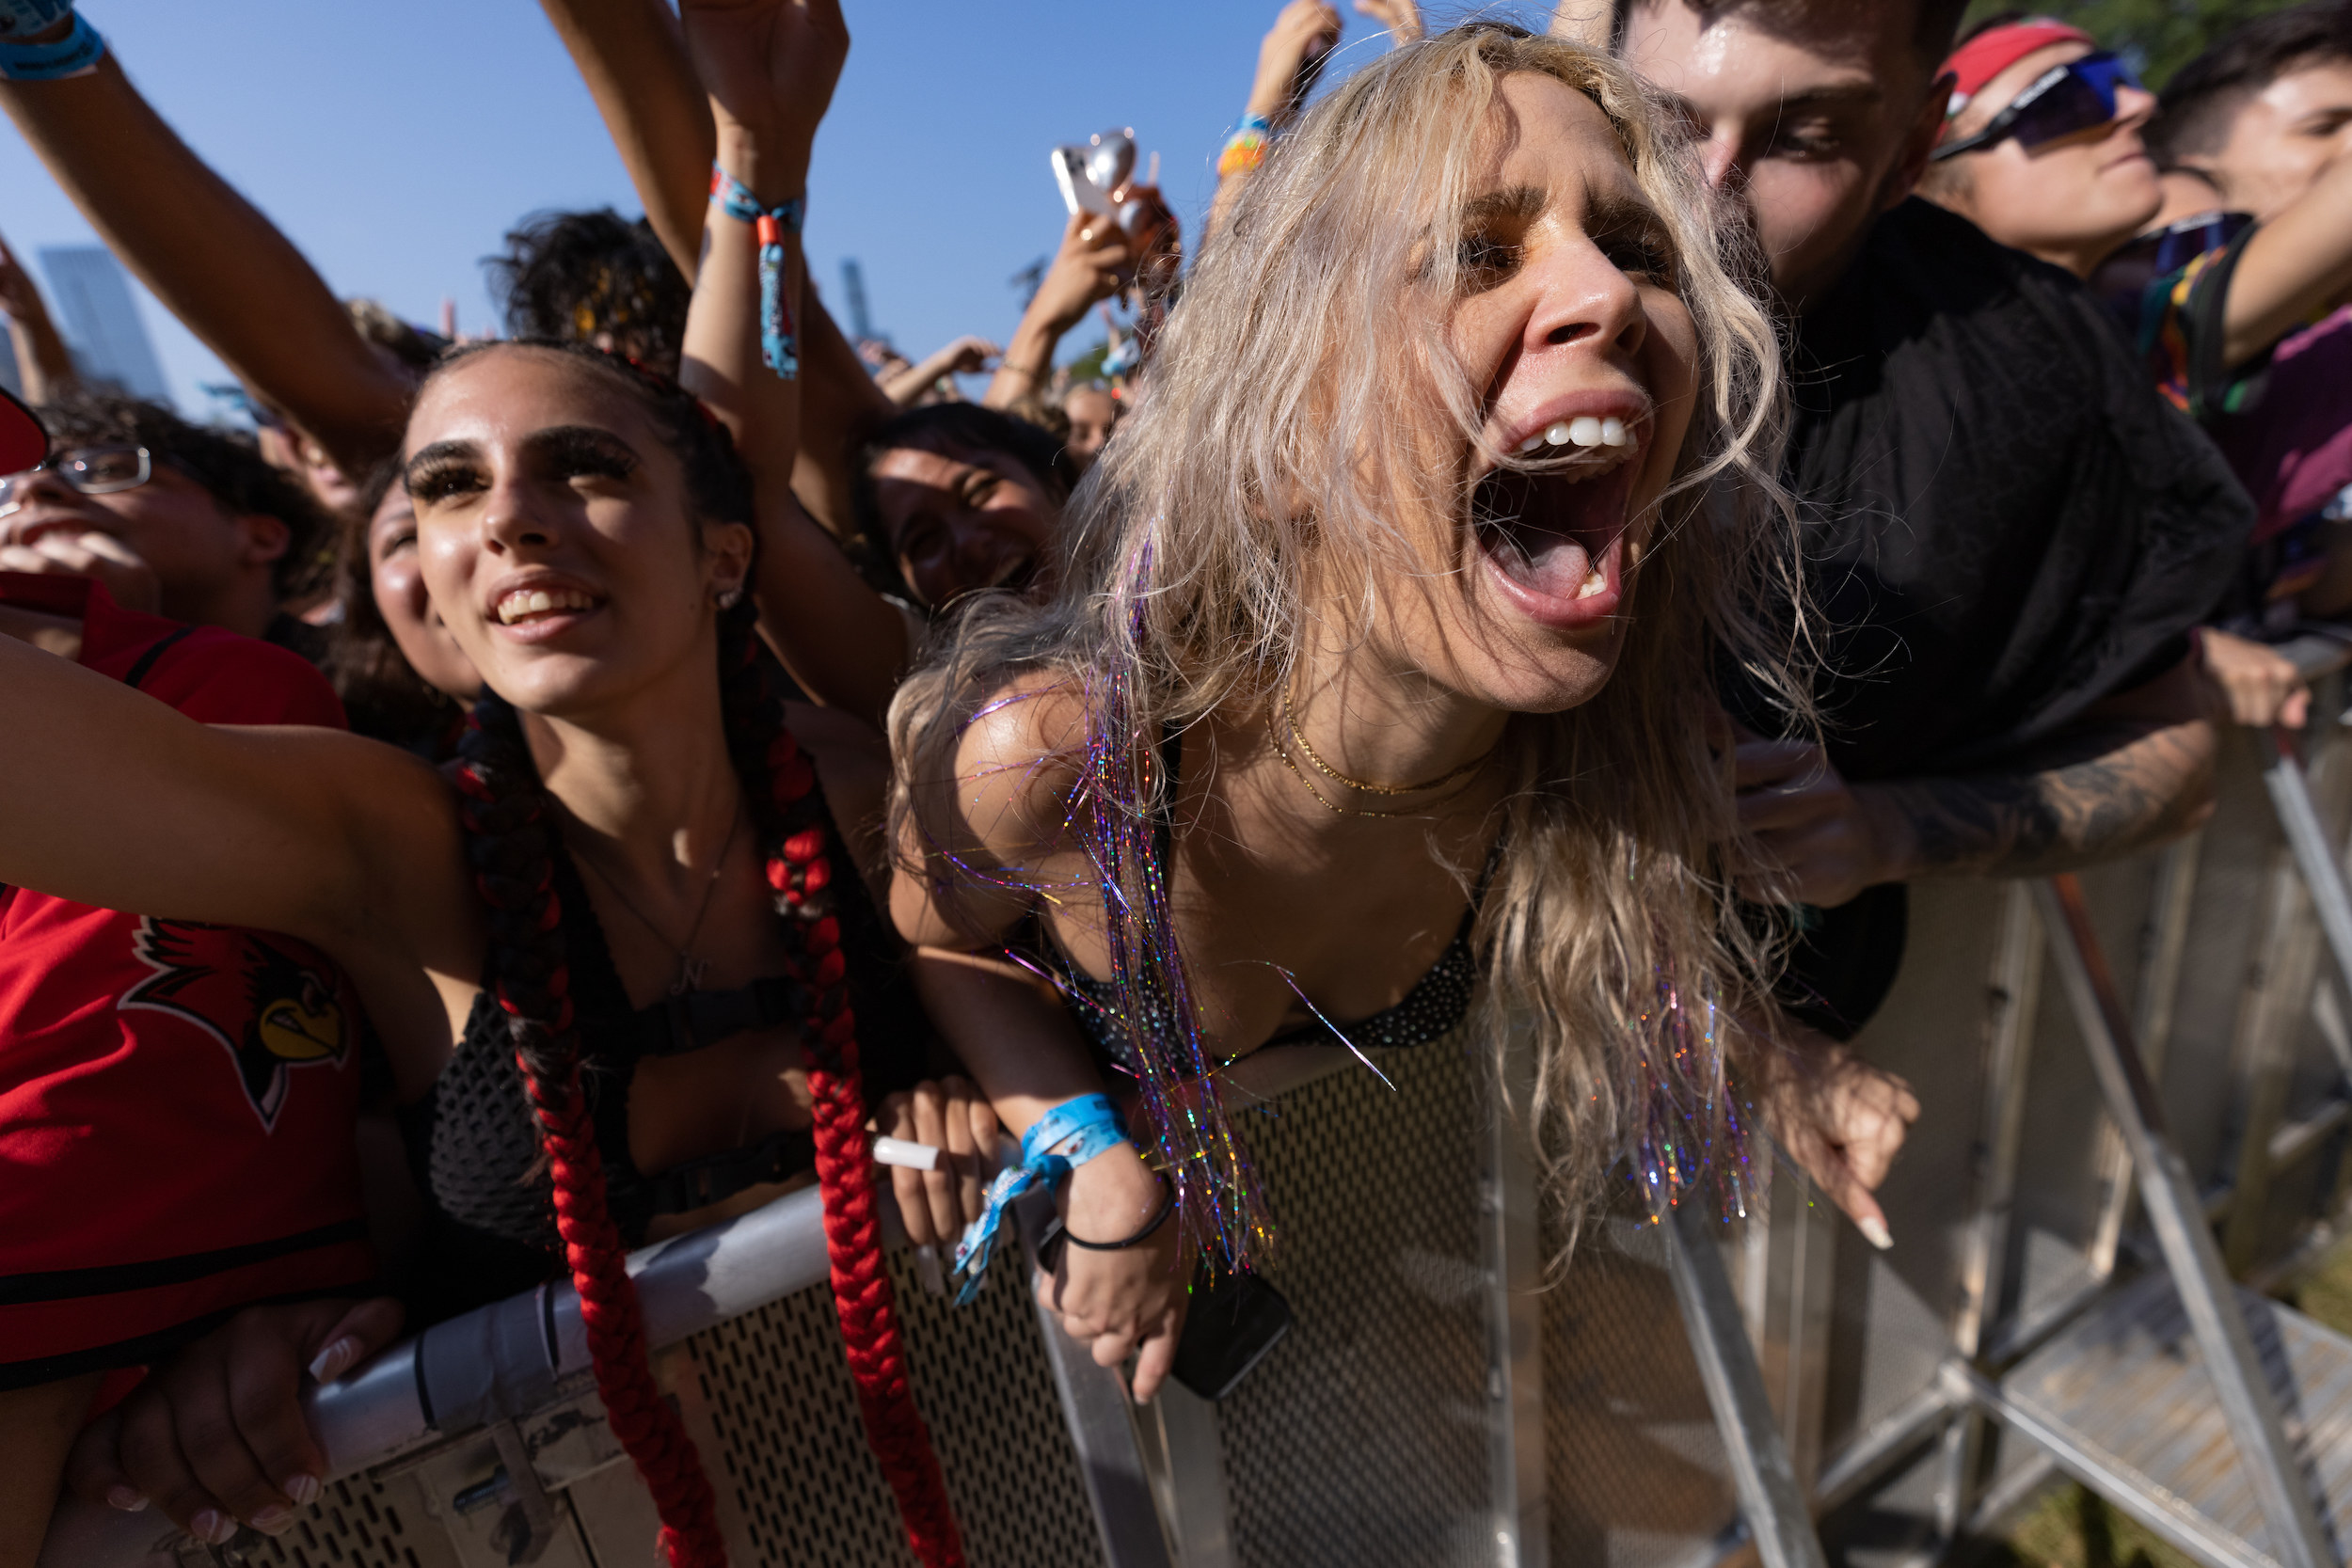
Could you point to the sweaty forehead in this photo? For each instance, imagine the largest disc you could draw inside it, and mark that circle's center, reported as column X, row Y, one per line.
column 1730, row 58
column 1546, row 129
column 499, row 396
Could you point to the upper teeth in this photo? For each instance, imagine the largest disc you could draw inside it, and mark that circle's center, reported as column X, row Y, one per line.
column 538, row 601
column 1584, row 431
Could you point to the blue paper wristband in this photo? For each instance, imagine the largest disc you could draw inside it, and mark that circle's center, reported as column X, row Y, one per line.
column 21, row 19
column 77, row 53
column 1061, row 1140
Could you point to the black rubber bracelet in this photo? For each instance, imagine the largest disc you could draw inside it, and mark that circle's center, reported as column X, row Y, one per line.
column 1139, row 1236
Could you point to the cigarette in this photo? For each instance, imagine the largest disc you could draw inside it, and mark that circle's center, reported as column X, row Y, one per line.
column 899, row 1151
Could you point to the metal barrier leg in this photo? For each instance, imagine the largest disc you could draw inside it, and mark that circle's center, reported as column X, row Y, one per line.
column 1101, row 1426
column 1767, row 1484
column 2190, row 1254
column 2323, row 875
column 2015, row 988
column 1513, row 1264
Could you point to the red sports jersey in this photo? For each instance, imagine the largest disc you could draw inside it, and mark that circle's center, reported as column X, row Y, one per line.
column 177, row 1101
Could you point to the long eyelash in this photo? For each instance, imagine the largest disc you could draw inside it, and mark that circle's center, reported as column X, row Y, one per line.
column 438, row 480
column 585, row 454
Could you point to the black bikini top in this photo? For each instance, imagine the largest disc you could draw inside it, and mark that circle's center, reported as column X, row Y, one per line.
column 473, row 1145
column 1436, row 1006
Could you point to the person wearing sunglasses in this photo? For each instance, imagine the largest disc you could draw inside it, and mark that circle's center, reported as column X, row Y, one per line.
column 2046, row 153
column 173, row 518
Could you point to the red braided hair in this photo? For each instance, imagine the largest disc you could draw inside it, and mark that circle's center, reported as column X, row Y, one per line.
column 512, row 847
column 801, row 870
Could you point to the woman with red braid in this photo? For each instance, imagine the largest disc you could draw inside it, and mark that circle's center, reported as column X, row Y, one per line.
column 633, row 843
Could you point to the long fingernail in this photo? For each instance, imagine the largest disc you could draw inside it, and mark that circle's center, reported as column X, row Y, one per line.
column 273, row 1520
column 1874, row 1231
column 927, row 1269
column 212, row 1528
column 130, row 1500
column 331, row 1363
column 302, row 1489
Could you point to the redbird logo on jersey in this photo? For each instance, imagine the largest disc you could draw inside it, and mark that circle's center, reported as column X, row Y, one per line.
column 276, row 1004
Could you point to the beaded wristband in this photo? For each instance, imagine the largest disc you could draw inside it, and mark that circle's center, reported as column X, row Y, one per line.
column 1244, row 150
column 778, row 344
column 77, row 53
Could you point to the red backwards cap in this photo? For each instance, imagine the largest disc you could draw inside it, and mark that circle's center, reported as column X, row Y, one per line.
column 24, row 444
column 1996, row 49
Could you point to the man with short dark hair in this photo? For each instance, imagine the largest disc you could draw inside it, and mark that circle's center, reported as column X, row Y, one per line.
column 174, row 518
column 2267, row 108
column 2008, row 535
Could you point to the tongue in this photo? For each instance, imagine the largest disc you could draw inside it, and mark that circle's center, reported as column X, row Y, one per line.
column 1528, row 525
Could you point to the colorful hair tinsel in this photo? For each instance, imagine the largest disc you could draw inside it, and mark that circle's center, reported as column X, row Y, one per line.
column 1218, row 1201
column 1677, row 1144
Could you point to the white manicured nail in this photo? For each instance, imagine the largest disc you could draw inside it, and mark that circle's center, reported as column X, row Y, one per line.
column 1874, row 1231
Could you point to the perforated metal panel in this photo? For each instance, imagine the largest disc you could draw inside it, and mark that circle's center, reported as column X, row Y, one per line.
column 358, row 1523
column 1634, row 1470
column 783, row 1434
column 1362, row 1438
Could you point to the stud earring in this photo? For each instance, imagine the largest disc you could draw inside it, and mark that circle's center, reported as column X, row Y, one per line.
column 729, row 596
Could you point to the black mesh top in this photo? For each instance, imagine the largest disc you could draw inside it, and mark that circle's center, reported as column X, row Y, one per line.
column 489, row 1204
column 1436, row 1006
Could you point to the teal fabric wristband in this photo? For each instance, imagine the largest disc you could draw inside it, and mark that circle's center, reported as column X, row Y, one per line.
column 77, row 53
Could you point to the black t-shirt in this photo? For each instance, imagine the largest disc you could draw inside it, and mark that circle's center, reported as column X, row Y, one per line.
column 2003, row 524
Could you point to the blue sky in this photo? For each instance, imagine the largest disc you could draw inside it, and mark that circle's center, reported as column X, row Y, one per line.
column 396, row 144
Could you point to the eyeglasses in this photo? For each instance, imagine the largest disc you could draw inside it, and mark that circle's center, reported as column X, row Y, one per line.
column 92, row 470
column 2059, row 103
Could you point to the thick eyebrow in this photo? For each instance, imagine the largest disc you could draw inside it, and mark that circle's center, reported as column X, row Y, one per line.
column 556, row 442
column 438, row 454
column 1521, row 202
column 1620, row 212
column 574, row 441
column 1834, row 95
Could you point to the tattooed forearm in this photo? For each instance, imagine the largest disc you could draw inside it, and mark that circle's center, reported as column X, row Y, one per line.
column 2107, row 789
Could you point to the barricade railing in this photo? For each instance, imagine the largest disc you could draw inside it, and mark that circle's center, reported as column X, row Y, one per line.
column 1442, row 1401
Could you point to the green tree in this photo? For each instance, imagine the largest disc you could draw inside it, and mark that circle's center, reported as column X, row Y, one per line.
column 2157, row 35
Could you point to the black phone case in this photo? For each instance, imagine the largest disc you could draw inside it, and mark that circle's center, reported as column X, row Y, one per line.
column 1230, row 1324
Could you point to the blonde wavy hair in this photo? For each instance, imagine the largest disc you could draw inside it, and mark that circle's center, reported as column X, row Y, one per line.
column 1302, row 405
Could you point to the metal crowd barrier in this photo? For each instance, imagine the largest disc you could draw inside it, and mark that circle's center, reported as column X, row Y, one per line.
column 1684, row 1395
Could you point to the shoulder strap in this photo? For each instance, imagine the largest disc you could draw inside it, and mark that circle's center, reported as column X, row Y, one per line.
column 2205, row 326
column 155, row 650
column 698, row 1183
column 677, row 1025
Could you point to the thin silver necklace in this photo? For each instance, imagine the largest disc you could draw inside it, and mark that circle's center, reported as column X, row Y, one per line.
column 691, row 969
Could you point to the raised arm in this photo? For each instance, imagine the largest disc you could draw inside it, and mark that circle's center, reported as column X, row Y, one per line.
column 632, row 55
column 1290, row 57
column 43, row 368
column 213, row 260
column 771, row 67
column 1086, row 269
column 963, row 356
column 2298, row 266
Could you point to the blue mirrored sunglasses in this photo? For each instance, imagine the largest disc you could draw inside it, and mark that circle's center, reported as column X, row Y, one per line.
column 2059, row 103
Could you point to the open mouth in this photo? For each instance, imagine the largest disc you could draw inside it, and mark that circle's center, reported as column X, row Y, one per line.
column 1553, row 537
column 544, row 609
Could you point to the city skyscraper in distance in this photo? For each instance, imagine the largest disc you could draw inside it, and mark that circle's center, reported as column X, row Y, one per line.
column 100, row 320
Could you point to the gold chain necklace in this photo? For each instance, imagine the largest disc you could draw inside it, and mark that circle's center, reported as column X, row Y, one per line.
column 1291, row 723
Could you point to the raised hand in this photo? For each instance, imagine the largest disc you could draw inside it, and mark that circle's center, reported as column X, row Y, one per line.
column 770, row 65
column 1301, row 39
column 1402, row 17
column 1094, row 260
